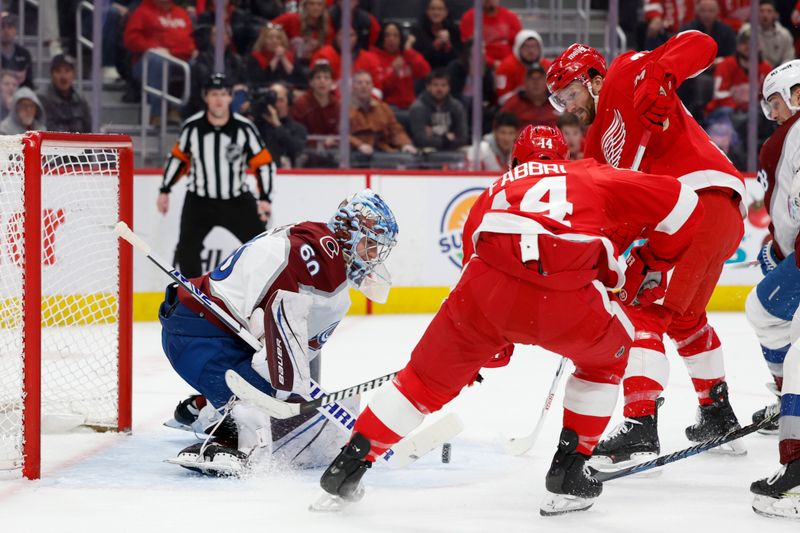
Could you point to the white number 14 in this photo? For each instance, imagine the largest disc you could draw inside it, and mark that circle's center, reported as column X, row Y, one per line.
column 548, row 196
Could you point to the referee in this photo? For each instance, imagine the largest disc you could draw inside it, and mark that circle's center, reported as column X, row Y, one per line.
column 215, row 148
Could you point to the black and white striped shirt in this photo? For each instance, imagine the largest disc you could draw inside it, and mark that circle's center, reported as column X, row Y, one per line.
column 217, row 158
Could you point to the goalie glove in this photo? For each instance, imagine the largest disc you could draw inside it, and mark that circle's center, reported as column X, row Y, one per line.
column 654, row 96
column 645, row 278
column 767, row 258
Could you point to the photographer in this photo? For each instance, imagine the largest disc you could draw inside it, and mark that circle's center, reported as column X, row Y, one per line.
column 284, row 137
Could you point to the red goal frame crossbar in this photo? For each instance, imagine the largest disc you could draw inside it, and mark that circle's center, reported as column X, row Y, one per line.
column 32, row 309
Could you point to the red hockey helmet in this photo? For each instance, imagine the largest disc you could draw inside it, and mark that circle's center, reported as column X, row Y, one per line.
column 538, row 142
column 574, row 63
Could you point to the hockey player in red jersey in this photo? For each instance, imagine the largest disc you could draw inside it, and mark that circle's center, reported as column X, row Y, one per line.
column 773, row 306
column 289, row 287
column 540, row 257
column 637, row 95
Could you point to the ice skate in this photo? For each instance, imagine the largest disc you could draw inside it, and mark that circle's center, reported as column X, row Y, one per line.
column 342, row 480
column 186, row 413
column 715, row 420
column 570, row 488
column 212, row 459
column 778, row 496
column 761, row 414
column 633, row 441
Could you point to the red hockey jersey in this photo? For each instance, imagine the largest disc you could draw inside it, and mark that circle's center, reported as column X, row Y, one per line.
column 683, row 150
column 567, row 221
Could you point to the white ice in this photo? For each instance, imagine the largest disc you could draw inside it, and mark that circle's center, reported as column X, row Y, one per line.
column 106, row 482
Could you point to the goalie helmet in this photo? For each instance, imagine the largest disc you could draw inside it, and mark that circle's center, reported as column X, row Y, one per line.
column 576, row 63
column 538, row 142
column 367, row 231
column 780, row 81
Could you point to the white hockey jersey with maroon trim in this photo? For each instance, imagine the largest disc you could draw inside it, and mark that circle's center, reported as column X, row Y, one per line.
column 778, row 169
column 683, row 150
column 304, row 258
column 574, row 218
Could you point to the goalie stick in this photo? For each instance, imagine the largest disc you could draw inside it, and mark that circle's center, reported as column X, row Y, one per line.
column 519, row 446
column 336, row 413
column 730, row 436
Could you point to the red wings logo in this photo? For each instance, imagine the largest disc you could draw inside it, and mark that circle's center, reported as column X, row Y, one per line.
column 613, row 140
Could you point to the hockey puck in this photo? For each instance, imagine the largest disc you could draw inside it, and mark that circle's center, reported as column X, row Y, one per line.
column 446, row 452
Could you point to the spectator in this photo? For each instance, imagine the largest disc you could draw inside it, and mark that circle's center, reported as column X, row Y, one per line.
column 495, row 148
column 436, row 36
column 271, row 60
column 285, row 138
column 64, row 108
column 775, row 41
column 318, row 109
column 735, row 13
column 572, row 129
column 309, row 29
column 460, row 74
column 707, row 21
column 8, row 86
column 437, row 119
column 114, row 58
column 362, row 59
column 663, row 19
column 366, row 25
column 510, row 75
column 731, row 78
column 160, row 25
column 203, row 67
column 239, row 16
column 375, row 133
column 27, row 114
column 500, row 27
column 530, row 104
column 13, row 57
column 401, row 65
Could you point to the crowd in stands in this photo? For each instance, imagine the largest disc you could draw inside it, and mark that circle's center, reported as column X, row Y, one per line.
column 411, row 97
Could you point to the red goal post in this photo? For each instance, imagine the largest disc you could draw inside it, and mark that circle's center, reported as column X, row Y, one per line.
column 65, row 289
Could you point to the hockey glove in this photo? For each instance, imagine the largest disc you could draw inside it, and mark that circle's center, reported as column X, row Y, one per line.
column 767, row 258
column 645, row 278
column 654, row 96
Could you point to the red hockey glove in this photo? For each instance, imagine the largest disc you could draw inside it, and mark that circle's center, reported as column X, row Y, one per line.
column 645, row 278
column 654, row 96
column 501, row 358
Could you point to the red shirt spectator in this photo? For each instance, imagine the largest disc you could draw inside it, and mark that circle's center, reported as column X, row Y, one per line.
column 732, row 82
column 159, row 24
column 401, row 66
column 510, row 75
column 668, row 14
column 531, row 105
column 500, row 27
column 308, row 30
column 318, row 108
column 364, row 60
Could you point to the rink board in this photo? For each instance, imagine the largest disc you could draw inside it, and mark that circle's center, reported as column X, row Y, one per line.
column 430, row 207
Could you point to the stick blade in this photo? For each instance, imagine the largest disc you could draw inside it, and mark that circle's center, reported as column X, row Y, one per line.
column 426, row 440
column 247, row 392
column 519, row 445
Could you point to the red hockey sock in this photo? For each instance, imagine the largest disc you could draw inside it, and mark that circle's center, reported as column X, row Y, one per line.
column 702, row 354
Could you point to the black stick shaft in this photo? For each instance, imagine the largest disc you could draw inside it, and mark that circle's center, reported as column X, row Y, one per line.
column 307, row 407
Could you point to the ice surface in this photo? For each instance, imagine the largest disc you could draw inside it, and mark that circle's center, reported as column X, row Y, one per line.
column 105, row 482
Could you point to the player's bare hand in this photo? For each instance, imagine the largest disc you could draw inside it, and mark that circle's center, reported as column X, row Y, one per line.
column 264, row 210
column 366, row 149
column 162, row 204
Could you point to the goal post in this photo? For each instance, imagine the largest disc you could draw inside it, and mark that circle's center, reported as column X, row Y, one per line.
column 65, row 289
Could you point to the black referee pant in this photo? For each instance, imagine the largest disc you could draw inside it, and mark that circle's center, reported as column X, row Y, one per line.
column 200, row 215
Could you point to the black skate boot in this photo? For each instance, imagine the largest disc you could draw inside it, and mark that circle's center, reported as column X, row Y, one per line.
column 715, row 420
column 342, row 480
column 761, row 414
column 186, row 412
column 779, row 494
column 633, row 441
column 570, row 487
column 212, row 459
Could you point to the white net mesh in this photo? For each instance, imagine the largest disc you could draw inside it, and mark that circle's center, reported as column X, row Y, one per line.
column 80, row 292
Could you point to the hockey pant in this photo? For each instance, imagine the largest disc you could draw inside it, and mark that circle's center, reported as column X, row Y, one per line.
column 771, row 309
column 485, row 312
column 683, row 314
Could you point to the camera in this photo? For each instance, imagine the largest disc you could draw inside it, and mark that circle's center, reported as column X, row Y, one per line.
column 261, row 99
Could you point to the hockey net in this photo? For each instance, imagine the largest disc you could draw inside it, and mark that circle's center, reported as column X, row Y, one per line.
column 65, row 289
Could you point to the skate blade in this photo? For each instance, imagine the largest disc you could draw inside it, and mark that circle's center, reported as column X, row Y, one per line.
column 768, row 431
column 215, row 469
column 174, row 424
column 559, row 504
column 786, row 507
column 328, row 503
column 734, row 448
column 604, row 464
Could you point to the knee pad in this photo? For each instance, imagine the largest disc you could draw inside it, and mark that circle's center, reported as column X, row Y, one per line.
column 772, row 332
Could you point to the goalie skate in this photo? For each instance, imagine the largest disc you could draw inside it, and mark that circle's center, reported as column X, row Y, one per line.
column 215, row 460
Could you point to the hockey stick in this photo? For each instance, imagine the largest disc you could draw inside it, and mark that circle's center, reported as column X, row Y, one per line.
column 741, row 264
column 687, row 452
column 519, row 446
column 640, row 151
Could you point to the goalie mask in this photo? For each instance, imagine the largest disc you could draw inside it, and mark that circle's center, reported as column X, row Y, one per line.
column 781, row 81
column 367, row 231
